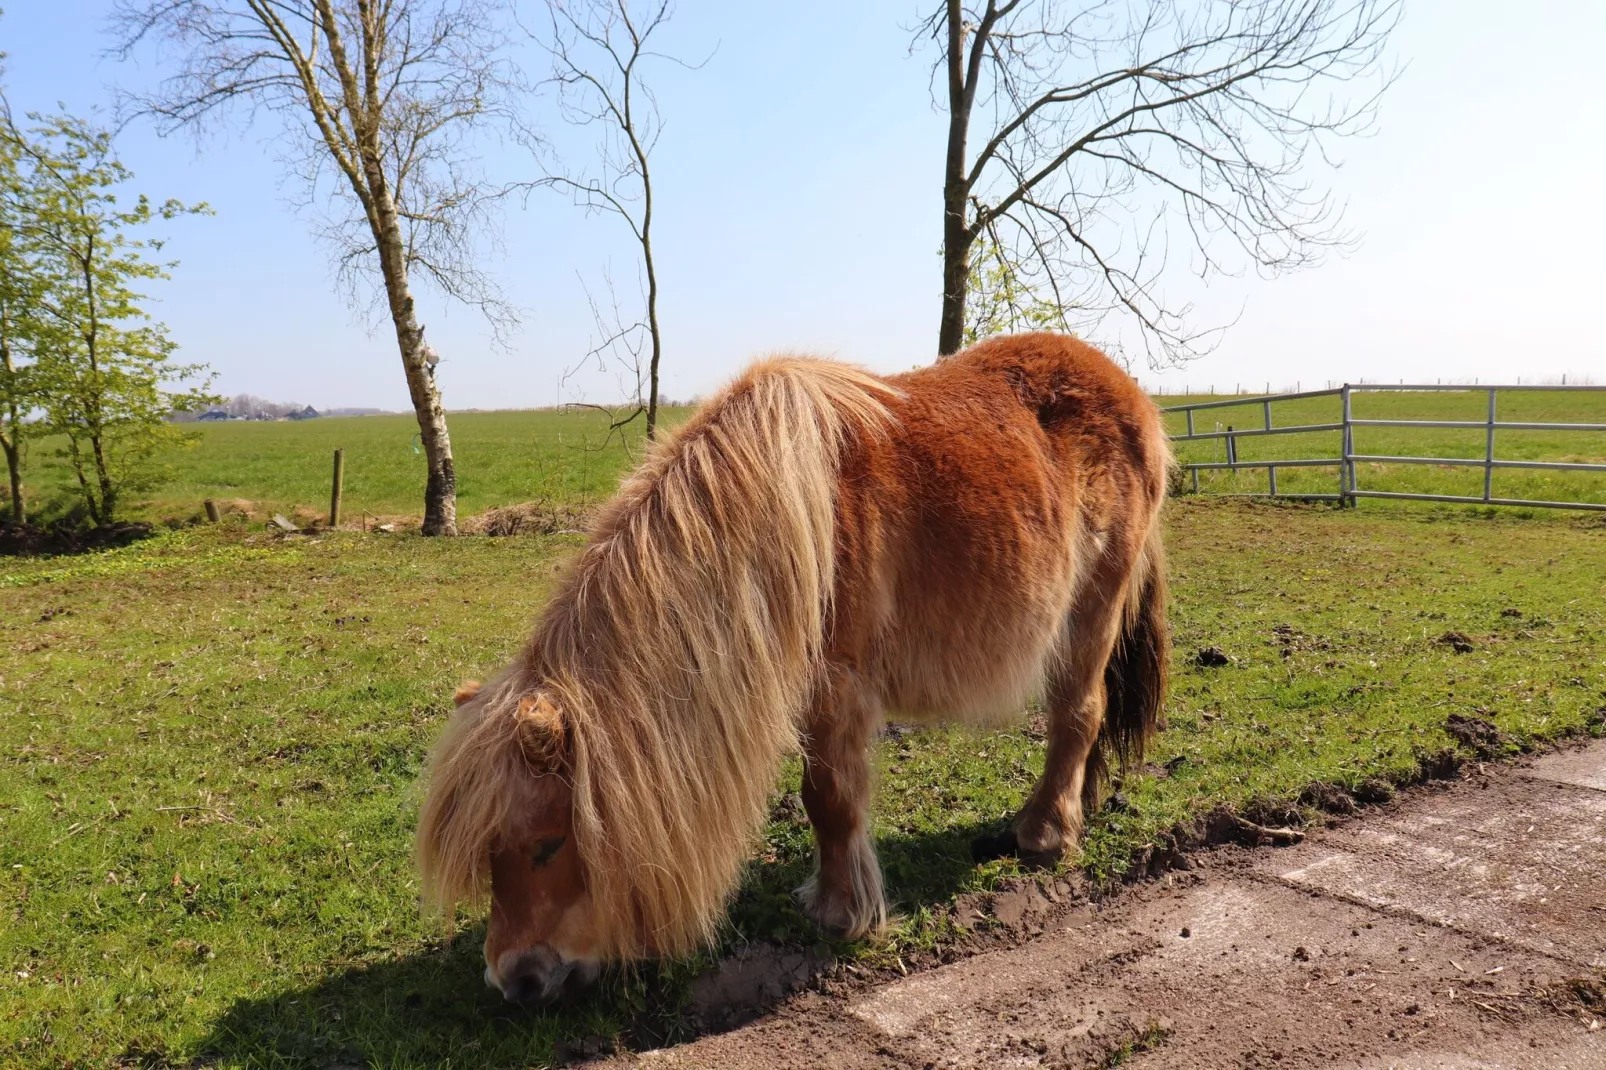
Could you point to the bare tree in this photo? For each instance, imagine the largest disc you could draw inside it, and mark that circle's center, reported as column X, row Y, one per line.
column 1105, row 125
column 385, row 97
column 599, row 48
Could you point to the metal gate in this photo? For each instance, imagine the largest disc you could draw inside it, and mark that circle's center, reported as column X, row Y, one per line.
column 1348, row 489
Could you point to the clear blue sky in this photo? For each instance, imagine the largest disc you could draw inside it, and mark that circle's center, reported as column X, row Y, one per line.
column 798, row 184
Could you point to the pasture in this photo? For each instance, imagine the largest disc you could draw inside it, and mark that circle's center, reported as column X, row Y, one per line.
column 567, row 459
column 211, row 739
column 502, row 457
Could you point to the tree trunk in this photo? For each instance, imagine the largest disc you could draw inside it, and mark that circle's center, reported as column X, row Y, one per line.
column 652, row 310
column 108, row 492
column 10, row 442
column 92, row 411
column 366, row 173
column 956, row 237
column 955, row 281
column 19, row 516
column 77, row 458
column 440, row 488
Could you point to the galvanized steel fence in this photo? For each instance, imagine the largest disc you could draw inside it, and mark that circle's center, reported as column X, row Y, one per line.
column 1348, row 488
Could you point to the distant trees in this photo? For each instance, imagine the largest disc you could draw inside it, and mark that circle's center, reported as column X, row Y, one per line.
column 386, row 97
column 1104, row 129
column 81, row 358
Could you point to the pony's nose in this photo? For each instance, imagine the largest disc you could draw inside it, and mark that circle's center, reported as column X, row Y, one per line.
column 535, row 977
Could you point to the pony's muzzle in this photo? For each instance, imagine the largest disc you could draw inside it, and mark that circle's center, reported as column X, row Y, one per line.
column 538, row 976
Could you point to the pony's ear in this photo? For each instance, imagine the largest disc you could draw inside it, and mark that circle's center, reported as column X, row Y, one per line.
column 542, row 732
column 465, row 692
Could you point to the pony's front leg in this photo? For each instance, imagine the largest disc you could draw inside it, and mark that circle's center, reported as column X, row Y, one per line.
column 844, row 897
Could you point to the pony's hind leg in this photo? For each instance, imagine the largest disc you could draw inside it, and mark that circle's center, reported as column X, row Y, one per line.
column 1074, row 699
column 844, row 897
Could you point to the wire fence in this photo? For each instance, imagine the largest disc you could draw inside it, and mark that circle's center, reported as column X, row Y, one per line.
column 1349, row 460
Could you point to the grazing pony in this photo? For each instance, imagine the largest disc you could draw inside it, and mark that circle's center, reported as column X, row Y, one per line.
column 816, row 547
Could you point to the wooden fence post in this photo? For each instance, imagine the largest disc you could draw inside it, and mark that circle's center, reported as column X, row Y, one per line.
column 334, row 494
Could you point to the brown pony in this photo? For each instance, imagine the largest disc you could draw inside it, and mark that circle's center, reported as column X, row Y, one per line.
column 815, row 547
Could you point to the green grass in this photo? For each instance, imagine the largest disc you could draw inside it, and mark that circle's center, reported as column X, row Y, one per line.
column 567, row 458
column 209, row 745
column 1514, row 406
column 501, row 457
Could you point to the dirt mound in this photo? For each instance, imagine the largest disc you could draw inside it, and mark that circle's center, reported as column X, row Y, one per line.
column 529, row 518
column 29, row 541
column 1479, row 736
column 241, row 507
column 1328, row 797
column 1292, row 641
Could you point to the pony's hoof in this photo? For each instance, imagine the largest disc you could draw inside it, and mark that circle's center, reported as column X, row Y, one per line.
column 841, row 922
column 840, row 928
column 993, row 845
column 1004, row 844
column 837, row 931
column 1047, row 860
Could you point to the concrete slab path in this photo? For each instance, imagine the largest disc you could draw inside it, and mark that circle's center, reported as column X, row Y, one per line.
column 1445, row 930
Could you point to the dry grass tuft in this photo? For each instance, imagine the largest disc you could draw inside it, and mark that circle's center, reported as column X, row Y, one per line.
column 539, row 517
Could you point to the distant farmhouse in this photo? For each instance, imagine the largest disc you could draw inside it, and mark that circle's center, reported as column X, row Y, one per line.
column 246, row 407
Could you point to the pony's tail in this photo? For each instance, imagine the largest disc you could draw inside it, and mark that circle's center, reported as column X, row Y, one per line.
column 1135, row 676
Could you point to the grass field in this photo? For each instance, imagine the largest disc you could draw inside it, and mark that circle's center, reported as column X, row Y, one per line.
column 502, row 458
column 209, row 745
column 566, row 457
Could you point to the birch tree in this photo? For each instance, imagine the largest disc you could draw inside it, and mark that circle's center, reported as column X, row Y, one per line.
column 388, row 99
column 1092, row 144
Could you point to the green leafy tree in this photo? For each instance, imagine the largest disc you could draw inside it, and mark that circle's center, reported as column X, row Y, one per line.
column 1000, row 300
column 103, row 371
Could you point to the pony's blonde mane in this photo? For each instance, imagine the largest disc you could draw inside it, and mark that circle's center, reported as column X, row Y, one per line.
column 679, row 653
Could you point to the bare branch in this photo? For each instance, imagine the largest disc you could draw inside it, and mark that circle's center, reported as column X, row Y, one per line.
column 1094, row 113
column 419, row 80
column 598, row 48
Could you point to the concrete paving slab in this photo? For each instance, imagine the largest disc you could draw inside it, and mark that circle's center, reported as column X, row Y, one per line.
column 1520, row 860
column 1583, row 767
column 1516, row 1052
column 1266, row 973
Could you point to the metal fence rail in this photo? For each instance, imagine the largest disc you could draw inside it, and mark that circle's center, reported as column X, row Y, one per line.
column 1348, row 488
